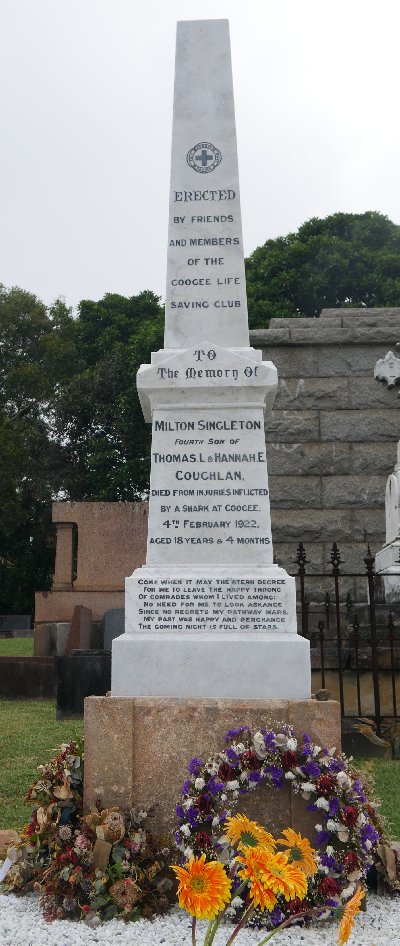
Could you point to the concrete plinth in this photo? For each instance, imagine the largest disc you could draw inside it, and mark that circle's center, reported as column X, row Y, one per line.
column 272, row 667
column 137, row 750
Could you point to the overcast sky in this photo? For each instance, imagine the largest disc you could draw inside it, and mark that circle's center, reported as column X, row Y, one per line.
column 86, row 116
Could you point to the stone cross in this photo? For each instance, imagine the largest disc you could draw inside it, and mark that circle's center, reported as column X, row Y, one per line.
column 209, row 615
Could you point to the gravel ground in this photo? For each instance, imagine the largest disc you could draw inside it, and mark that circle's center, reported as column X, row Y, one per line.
column 22, row 924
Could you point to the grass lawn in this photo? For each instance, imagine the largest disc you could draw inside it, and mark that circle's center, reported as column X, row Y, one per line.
column 16, row 646
column 29, row 736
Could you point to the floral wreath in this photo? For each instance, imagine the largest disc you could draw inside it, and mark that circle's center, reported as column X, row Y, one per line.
column 346, row 839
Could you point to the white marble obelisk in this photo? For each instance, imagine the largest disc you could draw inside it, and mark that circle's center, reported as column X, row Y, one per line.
column 209, row 615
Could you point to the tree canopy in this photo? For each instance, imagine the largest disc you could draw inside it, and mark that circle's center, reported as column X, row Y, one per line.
column 71, row 426
column 344, row 260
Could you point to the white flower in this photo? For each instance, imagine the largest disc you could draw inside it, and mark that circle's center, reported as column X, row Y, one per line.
column 239, row 747
column 212, row 769
column 347, row 891
column 199, row 783
column 343, row 780
column 368, row 844
column 188, row 853
column 259, row 745
column 236, row 903
column 361, row 819
column 281, row 739
column 329, row 850
column 322, row 803
column 289, row 775
column 215, row 822
column 185, row 828
column 233, row 785
column 292, row 744
column 142, row 815
column 229, row 911
column 316, row 750
column 187, row 803
column 343, row 834
column 332, row 825
column 223, row 797
column 308, row 787
column 332, row 751
column 243, row 777
column 318, row 827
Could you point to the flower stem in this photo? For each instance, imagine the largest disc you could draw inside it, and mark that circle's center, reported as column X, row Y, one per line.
column 291, row 919
column 194, row 931
column 246, row 916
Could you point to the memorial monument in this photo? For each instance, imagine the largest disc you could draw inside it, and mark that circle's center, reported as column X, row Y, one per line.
column 210, row 636
column 209, row 615
column 387, row 560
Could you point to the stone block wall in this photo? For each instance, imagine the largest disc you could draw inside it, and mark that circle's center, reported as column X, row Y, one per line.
column 331, row 440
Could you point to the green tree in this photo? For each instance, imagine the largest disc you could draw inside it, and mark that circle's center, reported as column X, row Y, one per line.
column 344, row 260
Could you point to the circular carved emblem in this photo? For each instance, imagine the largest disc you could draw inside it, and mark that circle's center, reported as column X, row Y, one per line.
column 204, row 157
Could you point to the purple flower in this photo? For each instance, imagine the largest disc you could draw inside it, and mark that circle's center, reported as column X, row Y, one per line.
column 232, row 756
column 330, row 862
column 311, row 769
column 277, row 916
column 335, row 766
column 186, row 786
column 180, row 812
column 323, row 837
column 194, row 766
column 255, row 777
column 269, row 741
column 178, row 837
column 222, row 818
column 368, row 833
column 331, row 903
column 232, row 733
column 214, row 787
column 276, row 773
column 193, row 817
column 334, row 806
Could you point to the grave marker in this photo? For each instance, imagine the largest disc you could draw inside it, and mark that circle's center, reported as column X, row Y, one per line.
column 209, row 615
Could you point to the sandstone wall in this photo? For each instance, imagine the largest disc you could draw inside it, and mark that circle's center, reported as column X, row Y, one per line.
column 331, row 440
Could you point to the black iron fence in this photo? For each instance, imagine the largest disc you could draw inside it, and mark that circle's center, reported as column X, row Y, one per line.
column 355, row 645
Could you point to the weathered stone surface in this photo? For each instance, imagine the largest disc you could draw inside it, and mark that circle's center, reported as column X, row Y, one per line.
column 7, row 839
column 291, row 362
column 52, row 606
column 357, row 426
column 346, row 360
column 375, row 314
column 128, row 773
column 292, row 425
column 365, row 393
column 310, row 526
column 353, row 491
column 302, row 394
column 82, row 674
column 113, row 624
column 80, row 630
column 295, row 491
column 42, row 640
column 307, row 459
column 366, row 458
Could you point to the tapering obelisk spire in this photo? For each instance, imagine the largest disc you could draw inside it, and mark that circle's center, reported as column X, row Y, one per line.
column 206, row 290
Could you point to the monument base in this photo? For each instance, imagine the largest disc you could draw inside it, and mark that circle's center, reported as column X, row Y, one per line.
column 275, row 666
column 137, row 750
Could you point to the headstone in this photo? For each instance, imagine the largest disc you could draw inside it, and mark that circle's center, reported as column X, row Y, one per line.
column 387, row 560
column 113, row 625
column 15, row 625
column 80, row 631
column 209, row 615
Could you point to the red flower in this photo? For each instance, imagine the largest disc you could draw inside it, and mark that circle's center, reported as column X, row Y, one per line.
column 203, row 803
column 329, row 887
column 85, row 908
column 349, row 815
column 298, row 906
column 225, row 772
column 202, row 841
column 325, row 785
column 250, row 760
column 350, row 862
column 289, row 760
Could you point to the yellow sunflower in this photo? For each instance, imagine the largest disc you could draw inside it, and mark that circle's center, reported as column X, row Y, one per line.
column 204, row 888
column 351, row 910
column 245, row 833
column 275, row 873
column 253, row 871
column 300, row 851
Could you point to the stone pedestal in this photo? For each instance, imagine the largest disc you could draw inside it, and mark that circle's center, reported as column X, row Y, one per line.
column 137, row 749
